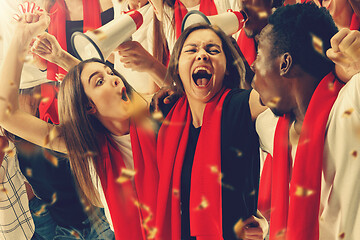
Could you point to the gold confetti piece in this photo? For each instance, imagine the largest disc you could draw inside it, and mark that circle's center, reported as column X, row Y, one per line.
column 8, row 109
column 342, row 235
column 176, row 192
column 54, row 198
column 317, row 44
column 151, row 232
column 141, row 205
column 203, row 205
column 331, row 86
column 42, row 210
column 214, row 169
column 147, row 219
column 158, row 116
column 253, row 193
column 125, row 175
column 273, row 102
column 51, row 158
column 4, row 190
column 29, row 172
column 354, row 153
column 101, row 35
column 239, row 229
column 303, row 192
column 75, row 234
column 238, row 153
column 263, row 14
column 280, row 234
column 53, row 133
column 348, row 112
column 37, row 96
column 87, row 208
column 45, row 100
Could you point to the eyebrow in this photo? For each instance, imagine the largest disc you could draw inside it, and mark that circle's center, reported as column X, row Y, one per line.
column 209, row 45
column 95, row 73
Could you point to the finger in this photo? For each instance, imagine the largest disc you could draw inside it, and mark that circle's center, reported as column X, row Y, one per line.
column 338, row 37
column 44, row 43
column 21, row 8
column 27, row 7
column 346, row 42
column 253, row 231
column 250, row 220
column 17, row 17
column 337, row 57
column 31, row 7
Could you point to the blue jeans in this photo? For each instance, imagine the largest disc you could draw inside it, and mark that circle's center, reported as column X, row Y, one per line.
column 47, row 229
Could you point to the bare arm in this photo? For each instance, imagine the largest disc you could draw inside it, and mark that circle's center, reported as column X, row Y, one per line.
column 135, row 57
column 47, row 47
column 11, row 117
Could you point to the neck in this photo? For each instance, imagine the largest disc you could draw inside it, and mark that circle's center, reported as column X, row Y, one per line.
column 116, row 127
column 190, row 3
column 197, row 109
column 304, row 88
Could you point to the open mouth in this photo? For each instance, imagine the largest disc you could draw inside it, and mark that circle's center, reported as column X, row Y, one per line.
column 202, row 76
column 124, row 95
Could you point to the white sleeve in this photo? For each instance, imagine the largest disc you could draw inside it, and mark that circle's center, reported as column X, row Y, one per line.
column 340, row 196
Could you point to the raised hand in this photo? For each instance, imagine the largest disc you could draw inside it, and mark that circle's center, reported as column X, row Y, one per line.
column 345, row 53
column 31, row 21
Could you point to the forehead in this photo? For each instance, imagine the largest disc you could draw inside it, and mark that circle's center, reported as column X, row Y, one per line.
column 90, row 68
column 203, row 36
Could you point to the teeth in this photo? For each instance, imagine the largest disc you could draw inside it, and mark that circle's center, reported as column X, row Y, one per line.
column 202, row 68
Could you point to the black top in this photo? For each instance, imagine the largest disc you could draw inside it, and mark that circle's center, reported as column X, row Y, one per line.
column 77, row 26
column 47, row 179
column 239, row 165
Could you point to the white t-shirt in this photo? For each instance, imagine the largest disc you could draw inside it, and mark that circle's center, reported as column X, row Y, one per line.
column 124, row 144
column 340, row 191
column 140, row 81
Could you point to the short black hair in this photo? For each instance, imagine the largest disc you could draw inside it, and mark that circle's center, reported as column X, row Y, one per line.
column 295, row 27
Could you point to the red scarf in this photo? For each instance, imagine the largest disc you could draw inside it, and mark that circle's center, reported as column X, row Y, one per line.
column 247, row 47
column 173, row 138
column 355, row 22
column 57, row 27
column 127, row 217
column 264, row 198
column 207, row 7
column 301, row 218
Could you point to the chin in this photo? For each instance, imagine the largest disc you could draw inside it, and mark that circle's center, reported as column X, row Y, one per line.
column 277, row 112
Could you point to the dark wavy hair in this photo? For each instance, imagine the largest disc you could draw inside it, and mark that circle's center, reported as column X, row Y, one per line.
column 294, row 28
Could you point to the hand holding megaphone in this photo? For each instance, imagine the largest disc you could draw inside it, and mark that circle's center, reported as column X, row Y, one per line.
column 229, row 22
column 99, row 43
column 134, row 56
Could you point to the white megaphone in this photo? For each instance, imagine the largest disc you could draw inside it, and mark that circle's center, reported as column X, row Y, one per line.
column 99, row 43
column 230, row 22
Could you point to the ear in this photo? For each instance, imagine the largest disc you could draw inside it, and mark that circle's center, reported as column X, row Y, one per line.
column 91, row 109
column 285, row 64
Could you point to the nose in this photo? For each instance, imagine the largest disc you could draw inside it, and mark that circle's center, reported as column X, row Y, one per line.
column 115, row 82
column 202, row 55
